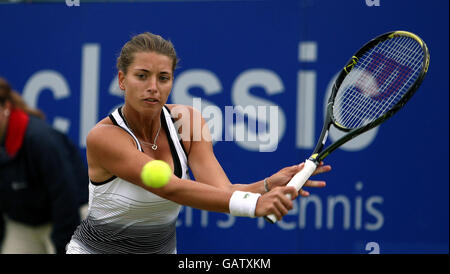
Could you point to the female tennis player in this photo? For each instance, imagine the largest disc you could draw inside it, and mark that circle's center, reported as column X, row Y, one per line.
column 125, row 215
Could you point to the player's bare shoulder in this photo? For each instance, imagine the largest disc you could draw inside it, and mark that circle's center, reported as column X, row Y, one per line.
column 98, row 131
column 183, row 112
column 188, row 123
column 105, row 133
column 191, row 126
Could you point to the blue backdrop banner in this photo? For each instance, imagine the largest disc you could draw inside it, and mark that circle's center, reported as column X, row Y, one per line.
column 388, row 191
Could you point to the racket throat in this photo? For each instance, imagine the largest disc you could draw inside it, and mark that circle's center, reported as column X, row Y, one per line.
column 322, row 140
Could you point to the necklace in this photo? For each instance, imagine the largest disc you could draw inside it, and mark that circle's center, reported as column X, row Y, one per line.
column 154, row 146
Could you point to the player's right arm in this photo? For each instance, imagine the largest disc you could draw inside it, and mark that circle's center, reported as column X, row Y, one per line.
column 111, row 151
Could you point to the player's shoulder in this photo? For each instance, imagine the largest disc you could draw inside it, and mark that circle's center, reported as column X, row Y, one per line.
column 178, row 107
column 103, row 131
column 179, row 111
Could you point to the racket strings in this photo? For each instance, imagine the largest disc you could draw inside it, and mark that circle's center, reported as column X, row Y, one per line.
column 378, row 81
column 384, row 74
column 406, row 62
column 409, row 68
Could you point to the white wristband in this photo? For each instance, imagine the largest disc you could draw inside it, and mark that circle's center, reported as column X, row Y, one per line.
column 243, row 203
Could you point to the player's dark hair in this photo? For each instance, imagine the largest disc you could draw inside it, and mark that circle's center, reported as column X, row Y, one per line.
column 145, row 42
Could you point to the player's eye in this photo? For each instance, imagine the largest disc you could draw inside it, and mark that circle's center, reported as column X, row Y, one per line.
column 164, row 78
column 141, row 76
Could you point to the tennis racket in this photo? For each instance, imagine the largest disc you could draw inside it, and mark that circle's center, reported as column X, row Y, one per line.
column 376, row 83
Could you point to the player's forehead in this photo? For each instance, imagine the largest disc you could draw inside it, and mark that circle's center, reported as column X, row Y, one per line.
column 151, row 61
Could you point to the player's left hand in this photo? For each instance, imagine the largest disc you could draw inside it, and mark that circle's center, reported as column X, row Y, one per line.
column 283, row 177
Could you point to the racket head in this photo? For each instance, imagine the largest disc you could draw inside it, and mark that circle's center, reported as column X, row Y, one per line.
column 375, row 83
column 378, row 80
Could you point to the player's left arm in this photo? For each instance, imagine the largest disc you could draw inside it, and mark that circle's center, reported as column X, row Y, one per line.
column 201, row 158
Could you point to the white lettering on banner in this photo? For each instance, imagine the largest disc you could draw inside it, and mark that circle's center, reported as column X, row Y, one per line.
column 271, row 124
column 332, row 202
column 372, row 3
column 71, row 3
column 210, row 84
column 312, row 208
column 240, row 95
column 375, row 213
column 358, row 207
column 306, row 112
column 90, row 75
column 306, row 97
column 373, row 247
column 238, row 133
column 48, row 80
column 54, row 81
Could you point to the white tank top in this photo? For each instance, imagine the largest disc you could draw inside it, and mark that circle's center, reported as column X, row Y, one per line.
column 125, row 218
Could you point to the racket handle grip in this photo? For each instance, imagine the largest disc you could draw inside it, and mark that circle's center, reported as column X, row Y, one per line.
column 297, row 181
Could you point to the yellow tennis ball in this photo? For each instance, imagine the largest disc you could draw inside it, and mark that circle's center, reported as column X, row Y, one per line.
column 156, row 173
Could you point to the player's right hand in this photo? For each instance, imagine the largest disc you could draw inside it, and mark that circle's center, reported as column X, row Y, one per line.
column 276, row 202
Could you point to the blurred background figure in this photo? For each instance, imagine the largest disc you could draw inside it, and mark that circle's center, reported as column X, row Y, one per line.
column 43, row 180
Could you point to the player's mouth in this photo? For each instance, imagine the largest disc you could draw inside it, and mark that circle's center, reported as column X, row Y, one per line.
column 151, row 101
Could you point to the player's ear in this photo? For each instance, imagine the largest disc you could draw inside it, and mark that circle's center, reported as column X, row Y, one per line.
column 121, row 80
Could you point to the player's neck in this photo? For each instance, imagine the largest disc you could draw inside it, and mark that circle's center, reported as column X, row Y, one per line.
column 144, row 126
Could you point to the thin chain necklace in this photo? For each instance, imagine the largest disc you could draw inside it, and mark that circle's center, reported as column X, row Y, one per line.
column 154, row 146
